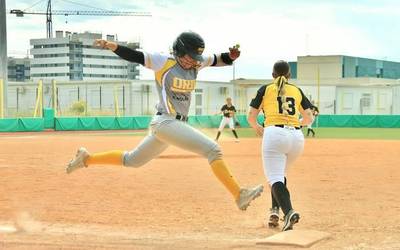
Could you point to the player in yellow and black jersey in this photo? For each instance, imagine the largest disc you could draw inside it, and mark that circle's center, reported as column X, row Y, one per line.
column 283, row 140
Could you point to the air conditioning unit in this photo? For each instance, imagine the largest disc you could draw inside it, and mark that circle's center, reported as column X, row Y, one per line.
column 365, row 100
column 223, row 90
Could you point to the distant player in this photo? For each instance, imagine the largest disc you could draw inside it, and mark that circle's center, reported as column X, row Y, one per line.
column 283, row 140
column 228, row 117
column 175, row 77
column 315, row 111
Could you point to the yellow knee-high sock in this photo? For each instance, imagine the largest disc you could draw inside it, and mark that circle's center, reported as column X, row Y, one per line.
column 111, row 158
column 225, row 177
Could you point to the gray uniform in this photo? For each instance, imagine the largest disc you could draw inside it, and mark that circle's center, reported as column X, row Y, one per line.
column 174, row 87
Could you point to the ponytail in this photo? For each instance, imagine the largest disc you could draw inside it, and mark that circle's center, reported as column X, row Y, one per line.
column 280, row 82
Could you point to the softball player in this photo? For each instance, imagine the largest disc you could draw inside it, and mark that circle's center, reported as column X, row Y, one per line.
column 228, row 111
column 315, row 112
column 175, row 80
column 283, row 140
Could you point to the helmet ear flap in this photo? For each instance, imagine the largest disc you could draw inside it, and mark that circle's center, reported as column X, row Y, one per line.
column 178, row 48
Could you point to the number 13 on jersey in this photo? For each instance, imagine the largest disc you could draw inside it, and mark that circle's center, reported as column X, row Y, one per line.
column 292, row 107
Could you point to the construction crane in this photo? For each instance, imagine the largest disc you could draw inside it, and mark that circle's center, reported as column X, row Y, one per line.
column 49, row 14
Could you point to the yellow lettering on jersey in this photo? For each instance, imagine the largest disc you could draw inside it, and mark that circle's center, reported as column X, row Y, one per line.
column 183, row 85
column 160, row 74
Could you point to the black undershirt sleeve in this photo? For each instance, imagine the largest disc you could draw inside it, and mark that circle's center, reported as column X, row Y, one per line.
column 257, row 100
column 215, row 61
column 130, row 54
column 226, row 59
column 305, row 103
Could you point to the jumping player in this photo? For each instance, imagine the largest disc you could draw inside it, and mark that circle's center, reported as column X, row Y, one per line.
column 283, row 140
column 175, row 77
column 228, row 111
column 315, row 112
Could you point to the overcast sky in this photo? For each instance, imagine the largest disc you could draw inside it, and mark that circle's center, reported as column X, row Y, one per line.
column 266, row 30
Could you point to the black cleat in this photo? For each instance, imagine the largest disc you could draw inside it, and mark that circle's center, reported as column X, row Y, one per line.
column 290, row 219
column 273, row 220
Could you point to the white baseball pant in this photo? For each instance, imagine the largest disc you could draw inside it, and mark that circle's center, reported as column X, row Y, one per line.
column 280, row 148
column 226, row 120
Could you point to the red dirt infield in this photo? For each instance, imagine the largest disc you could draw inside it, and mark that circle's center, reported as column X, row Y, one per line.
column 349, row 188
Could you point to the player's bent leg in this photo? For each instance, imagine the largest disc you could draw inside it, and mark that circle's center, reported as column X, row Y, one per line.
column 223, row 174
column 149, row 148
column 182, row 135
column 242, row 196
column 113, row 157
column 276, row 146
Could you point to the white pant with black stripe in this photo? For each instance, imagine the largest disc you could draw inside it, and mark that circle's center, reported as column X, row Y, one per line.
column 226, row 120
column 280, row 148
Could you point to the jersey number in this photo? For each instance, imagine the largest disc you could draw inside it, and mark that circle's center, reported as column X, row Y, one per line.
column 291, row 101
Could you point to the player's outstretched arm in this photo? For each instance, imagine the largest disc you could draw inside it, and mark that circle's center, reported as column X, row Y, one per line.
column 122, row 51
column 226, row 59
column 252, row 119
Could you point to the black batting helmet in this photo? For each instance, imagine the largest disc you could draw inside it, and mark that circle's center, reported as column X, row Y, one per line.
column 189, row 43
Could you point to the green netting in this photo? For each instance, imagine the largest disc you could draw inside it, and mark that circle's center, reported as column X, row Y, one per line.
column 389, row 121
column 9, row 125
column 101, row 123
column 242, row 119
column 142, row 122
column 359, row 121
column 205, row 121
column 21, row 125
column 124, row 122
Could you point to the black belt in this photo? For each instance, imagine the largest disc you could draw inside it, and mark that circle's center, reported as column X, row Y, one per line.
column 178, row 117
column 282, row 126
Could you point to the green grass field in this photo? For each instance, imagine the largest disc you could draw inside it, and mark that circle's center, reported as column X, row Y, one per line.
column 358, row 133
column 342, row 133
column 321, row 133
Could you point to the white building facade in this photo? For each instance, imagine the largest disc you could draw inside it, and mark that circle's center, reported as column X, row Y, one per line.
column 72, row 57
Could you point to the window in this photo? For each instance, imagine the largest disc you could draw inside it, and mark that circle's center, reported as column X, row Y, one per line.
column 365, row 100
column 347, row 100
